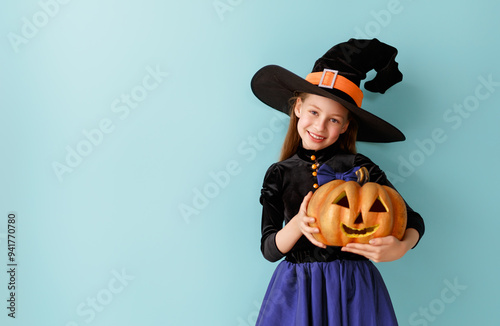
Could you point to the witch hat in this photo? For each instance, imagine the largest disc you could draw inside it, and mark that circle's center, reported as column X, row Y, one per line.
column 337, row 75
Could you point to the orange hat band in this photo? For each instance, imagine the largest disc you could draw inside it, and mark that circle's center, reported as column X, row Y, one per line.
column 331, row 79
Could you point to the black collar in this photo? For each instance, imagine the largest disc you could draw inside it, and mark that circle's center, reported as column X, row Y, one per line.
column 321, row 156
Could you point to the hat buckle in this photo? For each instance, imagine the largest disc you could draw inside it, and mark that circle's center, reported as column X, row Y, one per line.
column 334, row 78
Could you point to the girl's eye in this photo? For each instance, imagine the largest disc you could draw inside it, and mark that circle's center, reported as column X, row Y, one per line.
column 334, row 120
column 313, row 112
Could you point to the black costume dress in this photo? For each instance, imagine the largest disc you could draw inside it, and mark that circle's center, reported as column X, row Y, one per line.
column 315, row 286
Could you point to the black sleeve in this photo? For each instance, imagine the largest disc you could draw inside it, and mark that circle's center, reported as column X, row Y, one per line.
column 414, row 220
column 272, row 213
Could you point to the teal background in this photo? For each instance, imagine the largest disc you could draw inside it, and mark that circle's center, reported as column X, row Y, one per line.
column 108, row 243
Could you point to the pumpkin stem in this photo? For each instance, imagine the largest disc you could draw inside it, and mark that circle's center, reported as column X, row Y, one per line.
column 363, row 176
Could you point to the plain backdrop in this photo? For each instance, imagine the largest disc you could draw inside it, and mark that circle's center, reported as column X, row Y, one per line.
column 134, row 152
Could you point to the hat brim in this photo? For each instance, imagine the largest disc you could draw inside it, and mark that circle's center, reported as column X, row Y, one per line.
column 275, row 85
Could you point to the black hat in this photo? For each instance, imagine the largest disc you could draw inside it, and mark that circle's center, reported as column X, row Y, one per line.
column 337, row 75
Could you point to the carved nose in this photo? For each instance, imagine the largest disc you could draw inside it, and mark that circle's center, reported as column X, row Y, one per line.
column 359, row 219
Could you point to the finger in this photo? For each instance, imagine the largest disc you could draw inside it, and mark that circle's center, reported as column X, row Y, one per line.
column 359, row 251
column 363, row 249
column 319, row 244
column 379, row 241
column 314, row 241
column 307, row 198
column 360, row 246
column 305, row 228
column 308, row 220
column 382, row 241
column 305, row 202
column 355, row 250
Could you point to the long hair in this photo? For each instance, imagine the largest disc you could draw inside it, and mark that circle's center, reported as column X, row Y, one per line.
column 346, row 141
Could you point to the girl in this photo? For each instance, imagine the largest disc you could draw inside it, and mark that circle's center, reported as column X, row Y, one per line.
column 315, row 284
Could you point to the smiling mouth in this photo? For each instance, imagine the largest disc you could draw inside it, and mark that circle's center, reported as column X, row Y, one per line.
column 358, row 233
column 314, row 136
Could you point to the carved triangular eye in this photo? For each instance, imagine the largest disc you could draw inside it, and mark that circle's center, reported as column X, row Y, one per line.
column 342, row 200
column 378, row 206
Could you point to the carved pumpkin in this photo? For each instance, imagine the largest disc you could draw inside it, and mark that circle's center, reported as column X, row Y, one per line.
column 347, row 212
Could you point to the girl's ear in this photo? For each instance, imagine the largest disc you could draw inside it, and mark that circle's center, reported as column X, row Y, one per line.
column 298, row 107
column 344, row 127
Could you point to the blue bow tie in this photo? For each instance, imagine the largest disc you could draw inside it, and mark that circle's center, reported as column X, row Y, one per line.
column 326, row 174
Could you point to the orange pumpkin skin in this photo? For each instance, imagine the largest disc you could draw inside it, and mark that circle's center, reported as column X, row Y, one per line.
column 346, row 212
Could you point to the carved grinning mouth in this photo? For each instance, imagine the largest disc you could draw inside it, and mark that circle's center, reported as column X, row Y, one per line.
column 358, row 233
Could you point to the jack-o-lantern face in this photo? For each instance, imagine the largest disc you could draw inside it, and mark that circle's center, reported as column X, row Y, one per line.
column 347, row 212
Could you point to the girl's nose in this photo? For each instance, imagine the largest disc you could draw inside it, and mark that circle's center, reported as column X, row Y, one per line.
column 320, row 124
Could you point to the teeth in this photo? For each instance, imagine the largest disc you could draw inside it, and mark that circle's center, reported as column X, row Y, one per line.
column 316, row 137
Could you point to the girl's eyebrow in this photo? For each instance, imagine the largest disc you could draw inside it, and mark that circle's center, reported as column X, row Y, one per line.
column 317, row 107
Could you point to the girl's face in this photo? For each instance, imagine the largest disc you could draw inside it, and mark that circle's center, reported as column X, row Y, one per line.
column 321, row 121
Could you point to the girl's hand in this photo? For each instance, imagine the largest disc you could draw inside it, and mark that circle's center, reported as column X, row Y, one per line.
column 303, row 222
column 385, row 249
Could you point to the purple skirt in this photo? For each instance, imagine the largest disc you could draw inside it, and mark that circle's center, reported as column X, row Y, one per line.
column 337, row 293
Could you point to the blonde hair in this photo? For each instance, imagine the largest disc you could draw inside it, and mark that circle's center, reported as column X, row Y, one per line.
column 346, row 141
